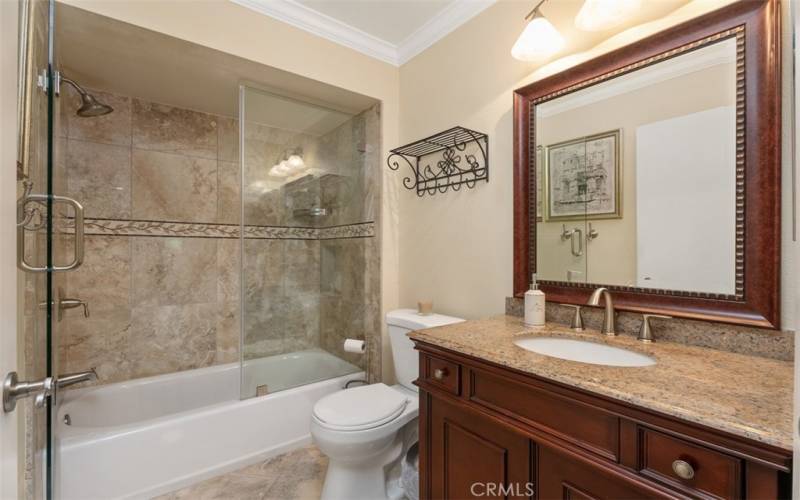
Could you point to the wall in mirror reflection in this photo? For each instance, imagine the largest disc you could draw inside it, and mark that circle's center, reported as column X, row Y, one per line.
column 645, row 163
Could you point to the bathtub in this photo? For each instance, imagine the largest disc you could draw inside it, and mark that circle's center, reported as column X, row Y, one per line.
column 153, row 435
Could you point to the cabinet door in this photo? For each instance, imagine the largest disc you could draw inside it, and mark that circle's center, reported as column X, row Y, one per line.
column 471, row 456
column 562, row 477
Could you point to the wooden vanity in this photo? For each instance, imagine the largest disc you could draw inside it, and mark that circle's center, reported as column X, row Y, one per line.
column 494, row 421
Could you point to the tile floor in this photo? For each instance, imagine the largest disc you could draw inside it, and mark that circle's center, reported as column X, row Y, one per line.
column 297, row 475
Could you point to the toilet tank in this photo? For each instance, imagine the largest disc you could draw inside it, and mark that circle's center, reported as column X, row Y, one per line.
column 406, row 359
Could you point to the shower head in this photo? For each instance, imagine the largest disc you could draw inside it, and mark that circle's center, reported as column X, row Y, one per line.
column 90, row 106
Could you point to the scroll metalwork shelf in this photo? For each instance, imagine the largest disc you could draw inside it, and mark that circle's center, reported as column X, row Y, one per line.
column 451, row 159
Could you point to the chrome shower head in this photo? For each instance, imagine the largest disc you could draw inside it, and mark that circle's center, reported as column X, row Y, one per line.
column 90, row 106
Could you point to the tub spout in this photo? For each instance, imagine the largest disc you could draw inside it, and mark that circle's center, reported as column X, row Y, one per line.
column 76, row 378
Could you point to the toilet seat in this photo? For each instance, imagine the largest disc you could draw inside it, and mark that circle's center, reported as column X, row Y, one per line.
column 361, row 408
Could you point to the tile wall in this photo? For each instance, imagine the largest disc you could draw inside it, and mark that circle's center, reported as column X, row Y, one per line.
column 161, row 191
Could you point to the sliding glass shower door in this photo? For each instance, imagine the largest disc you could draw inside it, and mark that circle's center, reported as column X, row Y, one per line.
column 302, row 182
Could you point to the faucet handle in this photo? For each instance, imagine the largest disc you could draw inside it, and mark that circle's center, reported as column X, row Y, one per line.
column 646, row 331
column 577, row 318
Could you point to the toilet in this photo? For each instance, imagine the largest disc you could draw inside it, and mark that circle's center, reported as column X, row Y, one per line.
column 365, row 431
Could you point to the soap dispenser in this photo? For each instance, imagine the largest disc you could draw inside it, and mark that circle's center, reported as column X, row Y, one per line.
column 534, row 305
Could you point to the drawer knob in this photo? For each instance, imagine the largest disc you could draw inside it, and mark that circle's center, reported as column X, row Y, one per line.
column 439, row 373
column 683, row 469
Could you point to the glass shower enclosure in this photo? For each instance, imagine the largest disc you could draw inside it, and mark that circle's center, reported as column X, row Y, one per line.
column 305, row 203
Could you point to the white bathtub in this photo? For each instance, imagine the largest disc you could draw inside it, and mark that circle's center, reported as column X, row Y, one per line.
column 153, row 435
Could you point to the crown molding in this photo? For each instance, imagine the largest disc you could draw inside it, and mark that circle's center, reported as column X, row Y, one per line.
column 324, row 26
column 442, row 24
column 448, row 19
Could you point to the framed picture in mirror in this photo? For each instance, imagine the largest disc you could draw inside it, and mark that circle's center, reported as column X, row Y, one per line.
column 654, row 171
column 582, row 178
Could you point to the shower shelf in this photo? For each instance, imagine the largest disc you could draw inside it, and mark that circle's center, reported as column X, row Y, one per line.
column 449, row 171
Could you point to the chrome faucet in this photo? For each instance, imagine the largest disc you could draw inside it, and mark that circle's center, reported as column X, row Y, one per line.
column 609, row 319
column 76, row 378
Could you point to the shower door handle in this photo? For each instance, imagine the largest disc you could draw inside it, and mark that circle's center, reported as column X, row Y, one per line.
column 77, row 258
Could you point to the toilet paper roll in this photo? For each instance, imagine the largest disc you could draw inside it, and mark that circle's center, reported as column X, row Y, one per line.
column 354, row 345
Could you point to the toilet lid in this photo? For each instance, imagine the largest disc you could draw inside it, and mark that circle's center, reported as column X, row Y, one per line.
column 361, row 407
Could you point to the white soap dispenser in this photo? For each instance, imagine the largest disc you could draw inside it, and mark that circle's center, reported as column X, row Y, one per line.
column 534, row 305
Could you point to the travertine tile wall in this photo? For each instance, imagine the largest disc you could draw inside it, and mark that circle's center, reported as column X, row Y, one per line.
column 350, row 286
column 158, row 304
column 296, row 308
column 161, row 189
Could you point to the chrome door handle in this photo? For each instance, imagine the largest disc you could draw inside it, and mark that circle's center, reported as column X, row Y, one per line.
column 77, row 259
column 577, row 234
column 14, row 390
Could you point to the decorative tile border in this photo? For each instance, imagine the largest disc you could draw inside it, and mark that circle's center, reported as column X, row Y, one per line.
column 113, row 227
column 360, row 230
column 279, row 233
column 155, row 228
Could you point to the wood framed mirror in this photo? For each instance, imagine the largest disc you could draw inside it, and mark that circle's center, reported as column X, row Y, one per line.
column 654, row 170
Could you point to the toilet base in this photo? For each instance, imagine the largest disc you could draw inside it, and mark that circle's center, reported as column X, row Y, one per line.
column 364, row 480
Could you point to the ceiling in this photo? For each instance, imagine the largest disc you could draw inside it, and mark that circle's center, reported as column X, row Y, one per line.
column 105, row 54
column 389, row 20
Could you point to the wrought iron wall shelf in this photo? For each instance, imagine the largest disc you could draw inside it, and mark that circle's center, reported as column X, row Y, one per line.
column 464, row 161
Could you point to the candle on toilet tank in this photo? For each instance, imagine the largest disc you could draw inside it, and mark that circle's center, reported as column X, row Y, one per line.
column 425, row 307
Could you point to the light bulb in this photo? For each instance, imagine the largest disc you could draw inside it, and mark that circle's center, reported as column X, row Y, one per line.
column 598, row 15
column 296, row 163
column 538, row 40
column 278, row 171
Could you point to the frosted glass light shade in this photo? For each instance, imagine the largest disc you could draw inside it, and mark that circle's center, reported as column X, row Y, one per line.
column 280, row 170
column 598, row 15
column 539, row 39
column 296, row 163
column 275, row 171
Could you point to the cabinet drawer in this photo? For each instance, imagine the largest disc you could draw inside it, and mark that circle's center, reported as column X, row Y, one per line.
column 688, row 467
column 584, row 425
column 441, row 373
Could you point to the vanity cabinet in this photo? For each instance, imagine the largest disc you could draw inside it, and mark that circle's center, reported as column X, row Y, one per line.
column 490, row 431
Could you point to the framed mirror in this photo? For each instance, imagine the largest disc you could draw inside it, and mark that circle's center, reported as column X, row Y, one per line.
column 654, row 170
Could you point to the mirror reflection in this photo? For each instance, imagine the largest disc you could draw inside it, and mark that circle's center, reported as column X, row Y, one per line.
column 636, row 177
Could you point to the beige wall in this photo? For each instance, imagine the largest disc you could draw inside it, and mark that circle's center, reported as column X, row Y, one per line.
column 457, row 248
column 236, row 30
column 611, row 258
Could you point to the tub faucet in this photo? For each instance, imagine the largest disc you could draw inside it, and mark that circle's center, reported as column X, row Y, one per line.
column 76, row 378
column 609, row 319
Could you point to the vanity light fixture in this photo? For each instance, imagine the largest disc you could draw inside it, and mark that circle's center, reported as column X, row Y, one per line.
column 291, row 164
column 539, row 39
column 598, row 15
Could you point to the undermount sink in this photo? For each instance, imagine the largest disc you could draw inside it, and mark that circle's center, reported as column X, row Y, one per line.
column 585, row 352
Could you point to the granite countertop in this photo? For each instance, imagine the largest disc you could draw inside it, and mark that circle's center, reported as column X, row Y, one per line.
column 747, row 396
